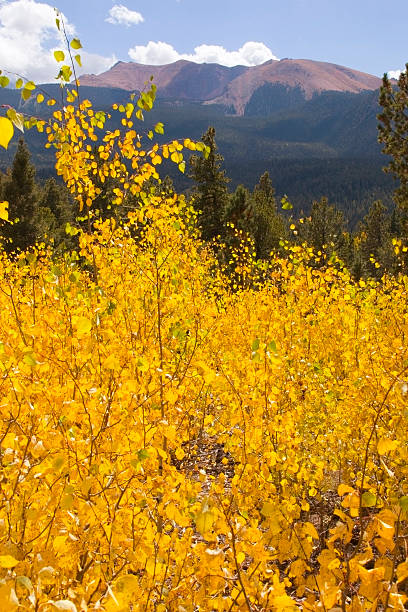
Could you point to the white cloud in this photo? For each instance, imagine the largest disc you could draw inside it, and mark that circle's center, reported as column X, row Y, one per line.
column 394, row 74
column 121, row 15
column 28, row 35
column 157, row 53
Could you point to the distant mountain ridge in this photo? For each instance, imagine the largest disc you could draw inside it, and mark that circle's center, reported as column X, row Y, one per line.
column 240, row 89
column 313, row 141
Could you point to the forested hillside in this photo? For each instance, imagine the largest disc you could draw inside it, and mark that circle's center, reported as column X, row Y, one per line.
column 324, row 147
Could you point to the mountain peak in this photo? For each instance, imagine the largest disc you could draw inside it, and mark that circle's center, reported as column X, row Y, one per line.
column 235, row 86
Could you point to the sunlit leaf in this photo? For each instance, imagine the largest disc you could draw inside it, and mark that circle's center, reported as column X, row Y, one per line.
column 6, row 131
column 59, row 56
column 7, row 561
column 76, row 43
column 4, row 211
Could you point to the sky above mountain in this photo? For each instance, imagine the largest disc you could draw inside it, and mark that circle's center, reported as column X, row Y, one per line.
column 367, row 35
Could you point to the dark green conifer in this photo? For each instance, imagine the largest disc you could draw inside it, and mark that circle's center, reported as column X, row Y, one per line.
column 20, row 191
column 268, row 226
column 210, row 194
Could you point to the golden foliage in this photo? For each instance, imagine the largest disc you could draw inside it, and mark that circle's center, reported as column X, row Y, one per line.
column 108, row 384
column 121, row 362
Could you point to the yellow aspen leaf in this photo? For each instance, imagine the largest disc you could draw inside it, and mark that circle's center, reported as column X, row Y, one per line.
column 240, row 557
column 59, row 543
column 8, row 597
column 385, row 530
column 402, row 571
column 204, row 521
column 125, row 587
column 6, row 132
column 343, row 489
column 82, row 325
column 112, row 363
column 310, row 529
column 284, row 603
column 386, row 445
column 180, row 454
column 4, row 211
column 150, row 566
column 59, row 56
column 298, row 568
column 162, row 453
column 331, row 596
column 7, row 561
column 268, row 509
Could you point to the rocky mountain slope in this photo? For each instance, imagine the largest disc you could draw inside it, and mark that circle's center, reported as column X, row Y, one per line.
column 271, row 86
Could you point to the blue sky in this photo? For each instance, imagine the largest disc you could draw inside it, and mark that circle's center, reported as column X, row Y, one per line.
column 370, row 36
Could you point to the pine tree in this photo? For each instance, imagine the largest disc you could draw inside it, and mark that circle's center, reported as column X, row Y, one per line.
column 268, row 226
column 324, row 229
column 20, row 191
column 210, row 193
column 393, row 132
column 55, row 209
column 376, row 246
column 237, row 209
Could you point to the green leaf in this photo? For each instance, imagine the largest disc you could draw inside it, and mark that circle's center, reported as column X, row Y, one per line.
column 142, row 454
column 76, row 43
column 255, row 344
column 4, row 81
column 30, row 360
column 368, row 499
column 403, row 502
column 59, row 56
column 57, row 22
column 272, row 346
